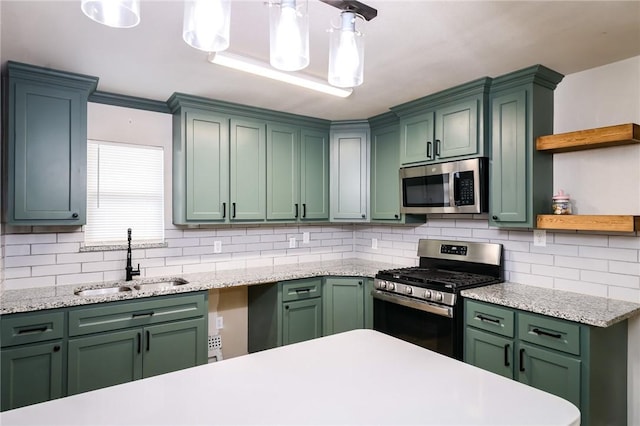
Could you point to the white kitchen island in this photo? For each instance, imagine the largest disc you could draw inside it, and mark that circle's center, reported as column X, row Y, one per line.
column 359, row 377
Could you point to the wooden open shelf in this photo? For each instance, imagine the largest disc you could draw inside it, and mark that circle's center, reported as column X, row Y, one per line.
column 622, row 134
column 612, row 223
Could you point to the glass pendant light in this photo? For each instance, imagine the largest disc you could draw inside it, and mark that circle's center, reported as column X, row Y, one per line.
column 346, row 53
column 289, row 34
column 113, row 13
column 206, row 24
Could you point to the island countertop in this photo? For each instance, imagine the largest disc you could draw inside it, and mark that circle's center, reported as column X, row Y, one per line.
column 337, row 379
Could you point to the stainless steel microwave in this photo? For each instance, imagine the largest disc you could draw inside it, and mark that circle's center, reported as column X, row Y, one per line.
column 452, row 187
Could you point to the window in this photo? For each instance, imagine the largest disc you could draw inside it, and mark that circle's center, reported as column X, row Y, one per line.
column 125, row 189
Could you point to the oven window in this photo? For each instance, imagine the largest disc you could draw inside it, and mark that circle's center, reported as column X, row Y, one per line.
column 426, row 191
column 424, row 329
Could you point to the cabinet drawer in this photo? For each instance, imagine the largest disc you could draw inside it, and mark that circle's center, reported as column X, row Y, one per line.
column 490, row 318
column 19, row 329
column 116, row 315
column 301, row 289
column 549, row 332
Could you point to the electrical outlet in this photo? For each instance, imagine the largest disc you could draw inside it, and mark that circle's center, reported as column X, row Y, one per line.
column 292, row 242
column 217, row 246
column 540, row 237
column 305, row 237
column 219, row 323
column 374, row 243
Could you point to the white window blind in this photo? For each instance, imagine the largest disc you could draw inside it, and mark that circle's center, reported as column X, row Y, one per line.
column 124, row 190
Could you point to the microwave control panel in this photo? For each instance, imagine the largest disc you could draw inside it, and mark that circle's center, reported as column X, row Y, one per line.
column 464, row 189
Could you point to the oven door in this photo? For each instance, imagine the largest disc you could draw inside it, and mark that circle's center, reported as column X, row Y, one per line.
column 425, row 324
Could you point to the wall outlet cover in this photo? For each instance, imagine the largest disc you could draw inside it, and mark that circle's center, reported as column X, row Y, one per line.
column 374, row 243
column 305, row 237
column 539, row 237
column 217, row 246
column 219, row 323
column 292, row 242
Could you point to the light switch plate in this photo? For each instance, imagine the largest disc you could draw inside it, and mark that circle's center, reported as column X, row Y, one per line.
column 217, row 246
column 374, row 243
column 219, row 322
column 292, row 242
column 539, row 237
column 305, row 237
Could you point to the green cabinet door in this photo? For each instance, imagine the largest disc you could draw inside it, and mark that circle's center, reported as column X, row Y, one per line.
column 550, row 371
column 301, row 320
column 31, row 374
column 509, row 180
column 174, row 346
column 350, row 173
column 368, row 303
column 314, row 175
column 343, row 304
column 385, row 179
column 417, row 142
column 457, row 130
column 248, row 170
column 104, row 360
column 489, row 352
column 46, row 146
column 207, row 166
column 283, row 172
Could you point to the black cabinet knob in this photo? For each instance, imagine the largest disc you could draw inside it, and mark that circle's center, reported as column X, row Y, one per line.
column 494, row 217
column 286, row 306
column 396, row 216
column 75, row 215
column 56, row 348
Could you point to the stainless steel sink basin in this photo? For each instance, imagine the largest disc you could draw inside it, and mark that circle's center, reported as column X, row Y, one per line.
column 162, row 284
column 103, row 291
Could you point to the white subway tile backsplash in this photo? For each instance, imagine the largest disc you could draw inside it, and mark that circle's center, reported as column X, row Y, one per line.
column 581, row 263
column 93, row 277
column 191, row 251
column 592, row 289
column 540, row 259
column 162, row 252
column 231, row 264
column 230, row 232
column 629, row 242
column 183, row 242
column 490, row 234
column 55, row 248
column 71, row 237
column 622, row 293
column 607, row 278
column 180, row 260
column 22, row 272
column 68, row 268
column 18, row 250
column 12, row 239
column 103, row 266
column 15, row 261
column 530, row 279
column 524, row 268
column 626, row 255
column 582, row 239
column 554, row 271
column 627, row 268
column 20, row 283
column 163, row 271
column 458, row 233
column 245, row 239
column 199, row 267
column 555, row 249
column 270, row 238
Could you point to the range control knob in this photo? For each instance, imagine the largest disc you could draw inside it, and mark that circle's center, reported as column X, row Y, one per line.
column 408, row 290
column 382, row 284
column 427, row 294
column 391, row 286
column 439, row 297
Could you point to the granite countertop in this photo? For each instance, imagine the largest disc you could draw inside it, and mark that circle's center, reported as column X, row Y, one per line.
column 585, row 309
column 35, row 299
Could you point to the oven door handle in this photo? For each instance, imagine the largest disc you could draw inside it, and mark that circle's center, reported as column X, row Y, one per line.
column 443, row 311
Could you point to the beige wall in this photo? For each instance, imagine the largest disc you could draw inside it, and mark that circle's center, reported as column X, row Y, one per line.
column 231, row 305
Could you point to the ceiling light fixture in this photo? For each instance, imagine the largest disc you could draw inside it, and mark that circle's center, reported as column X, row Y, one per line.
column 262, row 69
column 346, row 53
column 206, row 24
column 289, row 34
column 113, row 13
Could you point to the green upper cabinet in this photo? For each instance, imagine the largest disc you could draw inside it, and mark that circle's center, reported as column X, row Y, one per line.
column 350, row 171
column 46, row 177
column 314, row 174
column 445, row 126
column 248, row 170
column 521, row 178
column 385, row 165
column 297, row 173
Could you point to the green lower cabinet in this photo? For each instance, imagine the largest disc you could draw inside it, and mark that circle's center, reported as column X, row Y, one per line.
column 103, row 360
column 585, row 365
column 550, row 371
column 301, row 320
column 31, row 374
column 343, row 304
column 489, row 352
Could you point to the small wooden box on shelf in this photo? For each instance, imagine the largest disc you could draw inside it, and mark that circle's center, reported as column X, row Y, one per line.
column 602, row 137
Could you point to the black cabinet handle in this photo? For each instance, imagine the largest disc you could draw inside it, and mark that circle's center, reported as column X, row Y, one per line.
column 296, row 216
column 148, row 340
column 75, row 215
column 139, row 341
column 521, row 359
column 437, row 146
column 494, row 217
column 224, row 210
column 303, row 290
column 546, row 333
column 56, row 348
column 304, row 210
column 142, row 314
column 506, row 355
column 485, row 319
column 233, row 214
column 428, row 149
column 36, row 329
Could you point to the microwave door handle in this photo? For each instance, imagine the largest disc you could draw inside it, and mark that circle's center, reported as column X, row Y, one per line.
column 456, row 189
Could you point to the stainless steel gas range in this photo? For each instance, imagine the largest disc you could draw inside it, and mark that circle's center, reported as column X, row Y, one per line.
column 422, row 304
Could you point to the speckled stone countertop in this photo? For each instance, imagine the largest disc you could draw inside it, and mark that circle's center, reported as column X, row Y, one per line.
column 590, row 310
column 35, row 299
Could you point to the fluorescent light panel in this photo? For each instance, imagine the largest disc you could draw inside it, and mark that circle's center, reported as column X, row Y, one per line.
column 262, row 69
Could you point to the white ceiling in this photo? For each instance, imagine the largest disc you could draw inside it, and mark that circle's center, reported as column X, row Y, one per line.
column 413, row 48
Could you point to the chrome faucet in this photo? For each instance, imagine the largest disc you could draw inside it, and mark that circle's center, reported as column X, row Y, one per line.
column 129, row 269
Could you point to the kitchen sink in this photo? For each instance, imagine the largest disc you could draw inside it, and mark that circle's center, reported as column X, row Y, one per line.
column 104, row 291
column 151, row 285
column 161, row 284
